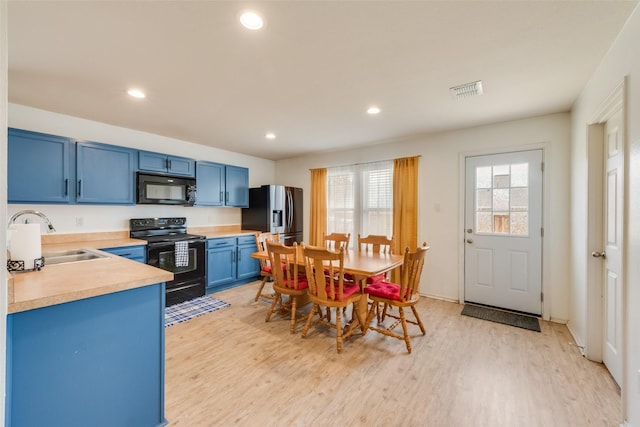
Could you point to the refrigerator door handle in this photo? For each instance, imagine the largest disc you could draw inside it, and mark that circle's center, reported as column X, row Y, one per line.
column 290, row 209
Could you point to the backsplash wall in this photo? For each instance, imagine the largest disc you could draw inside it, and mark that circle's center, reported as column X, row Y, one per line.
column 85, row 219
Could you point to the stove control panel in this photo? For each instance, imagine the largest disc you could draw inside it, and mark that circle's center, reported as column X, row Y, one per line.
column 157, row 223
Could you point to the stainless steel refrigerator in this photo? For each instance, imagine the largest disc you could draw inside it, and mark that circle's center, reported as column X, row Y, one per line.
column 275, row 208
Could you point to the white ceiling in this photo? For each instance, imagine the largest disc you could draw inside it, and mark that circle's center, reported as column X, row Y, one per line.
column 311, row 73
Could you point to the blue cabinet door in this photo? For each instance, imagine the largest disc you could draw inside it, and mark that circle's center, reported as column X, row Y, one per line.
column 163, row 163
column 38, row 168
column 237, row 187
column 247, row 267
column 209, row 184
column 104, row 174
column 181, row 166
column 221, row 266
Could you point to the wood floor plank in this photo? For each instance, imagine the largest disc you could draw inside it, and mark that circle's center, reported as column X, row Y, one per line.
column 229, row 367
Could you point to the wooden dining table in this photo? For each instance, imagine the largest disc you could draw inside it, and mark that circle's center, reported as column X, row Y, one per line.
column 360, row 264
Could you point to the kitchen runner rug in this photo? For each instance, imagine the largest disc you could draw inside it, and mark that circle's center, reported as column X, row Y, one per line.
column 187, row 310
column 504, row 317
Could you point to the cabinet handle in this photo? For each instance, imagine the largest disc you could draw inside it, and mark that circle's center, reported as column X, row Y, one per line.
column 239, row 256
column 168, row 164
column 66, row 187
column 226, row 197
column 221, row 197
column 79, row 188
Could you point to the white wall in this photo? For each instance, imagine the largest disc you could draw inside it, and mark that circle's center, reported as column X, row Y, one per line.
column 109, row 218
column 440, row 209
column 622, row 60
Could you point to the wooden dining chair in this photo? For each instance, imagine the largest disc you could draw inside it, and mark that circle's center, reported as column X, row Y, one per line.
column 335, row 241
column 330, row 291
column 374, row 243
column 402, row 295
column 286, row 280
column 265, row 266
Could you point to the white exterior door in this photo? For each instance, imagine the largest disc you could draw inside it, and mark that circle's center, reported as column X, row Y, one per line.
column 612, row 293
column 503, row 231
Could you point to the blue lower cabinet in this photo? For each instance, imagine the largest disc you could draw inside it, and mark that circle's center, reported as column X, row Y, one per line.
column 93, row 362
column 135, row 253
column 229, row 262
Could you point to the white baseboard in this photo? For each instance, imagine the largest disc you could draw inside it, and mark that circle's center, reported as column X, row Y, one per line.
column 576, row 338
column 441, row 298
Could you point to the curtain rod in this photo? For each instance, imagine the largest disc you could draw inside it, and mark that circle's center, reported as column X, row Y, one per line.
column 365, row 163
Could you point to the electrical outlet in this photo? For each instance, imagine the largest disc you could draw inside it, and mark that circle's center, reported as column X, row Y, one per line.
column 79, row 221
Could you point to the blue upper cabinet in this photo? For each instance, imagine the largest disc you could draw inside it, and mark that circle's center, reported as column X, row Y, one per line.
column 237, row 187
column 221, row 185
column 209, row 184
column 104, row 174
column 38, row 168
column 163, row 163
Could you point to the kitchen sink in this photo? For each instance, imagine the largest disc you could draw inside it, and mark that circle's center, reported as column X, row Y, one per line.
column 74, row 255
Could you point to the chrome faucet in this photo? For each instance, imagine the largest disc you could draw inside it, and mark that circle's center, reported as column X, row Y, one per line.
column 32, row 212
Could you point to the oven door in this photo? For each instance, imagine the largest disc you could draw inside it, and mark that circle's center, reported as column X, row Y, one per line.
column 188, row 276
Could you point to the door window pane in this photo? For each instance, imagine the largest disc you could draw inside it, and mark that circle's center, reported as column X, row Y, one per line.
column 502, row 199
column 483, row 222
column 520, row 223
column 501, row 176
column 483, row 177
column 483, row 200
column 520, row 175
column 501, row 222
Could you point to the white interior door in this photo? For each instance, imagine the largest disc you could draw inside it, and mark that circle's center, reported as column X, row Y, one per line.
column 503, row 231
column 613, row 290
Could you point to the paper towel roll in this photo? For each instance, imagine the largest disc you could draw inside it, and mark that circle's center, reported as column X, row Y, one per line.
column 24, row 244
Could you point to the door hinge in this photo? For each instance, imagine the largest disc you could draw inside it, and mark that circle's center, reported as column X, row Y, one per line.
column 541, row 231
column 542, row 166
column 541, row 296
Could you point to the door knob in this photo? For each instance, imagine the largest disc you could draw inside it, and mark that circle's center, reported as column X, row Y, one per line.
column 469, row 230
column 469, row 240
column 597, row 254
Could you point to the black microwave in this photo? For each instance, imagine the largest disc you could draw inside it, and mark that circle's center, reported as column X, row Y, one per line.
column 165, row 190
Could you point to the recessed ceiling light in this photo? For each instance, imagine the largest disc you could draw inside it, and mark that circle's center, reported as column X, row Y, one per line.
column 373, row 110
column 136, row 93
column 270, row 135
column 251, row 20
column 466, row 90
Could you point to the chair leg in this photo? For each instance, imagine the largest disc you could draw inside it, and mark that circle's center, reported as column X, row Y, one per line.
column 370, row 314
column 276, row 298
column 264, row 280
column 338, row 330
column 403, row 320
column 315, row 308
column 415, row 313
column 293, row 314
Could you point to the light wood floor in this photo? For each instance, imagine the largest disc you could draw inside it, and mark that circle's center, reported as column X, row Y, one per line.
column 231, row 368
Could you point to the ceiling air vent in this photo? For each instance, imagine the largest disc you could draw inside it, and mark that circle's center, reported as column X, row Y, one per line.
column 466, row 90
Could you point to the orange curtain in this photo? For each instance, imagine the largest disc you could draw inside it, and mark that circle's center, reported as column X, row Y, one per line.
column 318, row 207
column 405, row 207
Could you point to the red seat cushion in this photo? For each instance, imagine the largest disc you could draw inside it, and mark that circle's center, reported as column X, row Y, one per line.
column 384, row 289
column 302, row 284
column 378, row 278
column 347, row 290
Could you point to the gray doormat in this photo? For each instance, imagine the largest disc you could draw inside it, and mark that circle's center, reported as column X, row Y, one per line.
column 498, row 316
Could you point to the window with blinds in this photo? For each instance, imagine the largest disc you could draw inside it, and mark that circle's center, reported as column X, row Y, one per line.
column 360, row 199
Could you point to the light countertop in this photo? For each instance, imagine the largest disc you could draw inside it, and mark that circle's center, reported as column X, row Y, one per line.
column 61, row 283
